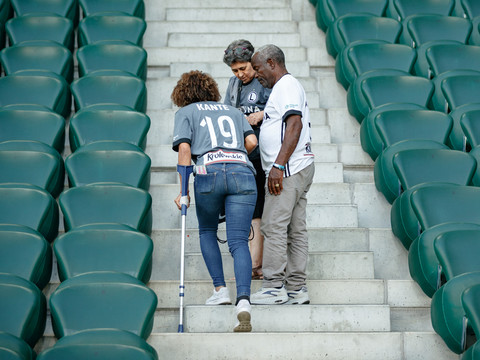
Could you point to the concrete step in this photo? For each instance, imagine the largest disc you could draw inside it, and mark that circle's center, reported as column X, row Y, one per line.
column 164, row 56
column 321, row 292
column 158, row 31
column 304, row 318
column 207, row 39
column 304, row 345
column 320, row 240
column 240, row 14
column 321, row 266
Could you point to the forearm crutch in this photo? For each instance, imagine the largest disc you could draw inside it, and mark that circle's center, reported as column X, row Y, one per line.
column 184, row 172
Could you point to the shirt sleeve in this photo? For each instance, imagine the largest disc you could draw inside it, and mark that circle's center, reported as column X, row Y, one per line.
column 227, row 100
column 290, row 100
column 182, row 130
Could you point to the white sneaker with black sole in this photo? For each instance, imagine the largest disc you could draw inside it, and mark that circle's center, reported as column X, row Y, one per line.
column 298, row 297
column 270, row 296
column 243, row 310
column 220, row 297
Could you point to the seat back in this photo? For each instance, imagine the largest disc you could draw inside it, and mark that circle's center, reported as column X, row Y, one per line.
column 41, row 27
column 13, row 348
column 101, row 300
column 104, row 89
column 111, row 27
column 32, row 124
column 444, row 57
column 447, row 203
column 64, row 8
column 31, row 162
column 107, row 203
column 104, row 248
column 25, row 253
column 404, row 8
column 30, row 206
column 23, row 308
column 417, row 166
column 89, row 125
column 460, row 90
column 471, row 8
column 116, row 56
column 380, row 90
column 131, row 7
column 109, row 161
column 470, row 123
column 458, row 252
column 423, row 28
column 397, row 125
column 470, row 304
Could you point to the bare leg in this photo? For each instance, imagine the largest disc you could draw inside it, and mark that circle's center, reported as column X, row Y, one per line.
column 256, row 249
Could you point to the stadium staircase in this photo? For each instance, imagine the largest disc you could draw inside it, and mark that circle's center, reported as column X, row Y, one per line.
column 364, row 305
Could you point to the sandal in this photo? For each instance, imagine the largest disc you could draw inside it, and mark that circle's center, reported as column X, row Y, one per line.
column 257, row 273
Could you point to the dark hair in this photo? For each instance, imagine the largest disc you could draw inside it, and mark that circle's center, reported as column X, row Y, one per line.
column 271, row 52
column 238, row 51
column 193, row 87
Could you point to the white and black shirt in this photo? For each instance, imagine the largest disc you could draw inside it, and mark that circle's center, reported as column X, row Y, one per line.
column 287, row 98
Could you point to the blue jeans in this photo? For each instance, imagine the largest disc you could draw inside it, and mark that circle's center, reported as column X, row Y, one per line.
column 229, row 186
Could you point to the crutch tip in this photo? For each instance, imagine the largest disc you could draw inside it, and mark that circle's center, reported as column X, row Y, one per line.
column 180, row 328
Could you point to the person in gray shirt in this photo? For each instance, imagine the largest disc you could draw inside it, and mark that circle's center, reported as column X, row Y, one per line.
column 246, row 93
column 218, row 138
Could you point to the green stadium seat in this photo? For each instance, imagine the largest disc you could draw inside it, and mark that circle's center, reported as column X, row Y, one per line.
column 457, row 139
column 471, row 8
column 25, row 253
column 388, row 88
column 111, row 26
column 352, row 27
column 14, row 348
column 38, row 55
column 447, row 310
column 475, row 153
column 116, row 55
column 470, row 305
column 107, row 203
column 64, row 8
column 460, row 90
column 445, row 57
column 329, row 10
column 41, row 27
column 32, row 162
column 418, row 168
column 385, row 177
column 365, row 55
column 472, row 353
column 422, row 260
column 110, row 89
column 107, row 341
column 391, row 126
column 470, row 123
column 130, row 7
column 475, row 35
column 35, row 88
column 401, row 9
column 105, row 247
column 32, row 123
column 446, row 203
column 119, row 123
column 109, row 161
column 30, row 206
column 23, row 309
column 102, row 300
column 4, row 11
column 457, row 253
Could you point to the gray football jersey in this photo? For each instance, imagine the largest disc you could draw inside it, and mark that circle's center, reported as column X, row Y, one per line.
column 248, row 98
column 210, row 126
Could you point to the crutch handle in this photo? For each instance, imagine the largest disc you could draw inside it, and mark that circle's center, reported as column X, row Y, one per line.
column 184, row 171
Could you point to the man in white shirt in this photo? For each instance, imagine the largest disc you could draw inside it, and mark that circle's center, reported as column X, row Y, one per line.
column 285, row 148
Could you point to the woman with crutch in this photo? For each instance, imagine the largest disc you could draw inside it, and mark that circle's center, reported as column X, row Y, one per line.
column 218, row 138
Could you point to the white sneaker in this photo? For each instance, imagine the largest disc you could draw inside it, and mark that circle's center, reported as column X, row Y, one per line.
column 270, row 296
column 220, row 297
column 298, row 297
column 243, row 317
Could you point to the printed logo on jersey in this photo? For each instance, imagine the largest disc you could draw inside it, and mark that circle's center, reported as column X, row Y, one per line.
column 252, row 97
column 291, row 106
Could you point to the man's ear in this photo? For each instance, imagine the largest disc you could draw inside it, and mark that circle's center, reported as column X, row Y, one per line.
column 271, row 63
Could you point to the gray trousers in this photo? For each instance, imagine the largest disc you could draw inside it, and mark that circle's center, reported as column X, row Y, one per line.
column 284, row 226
